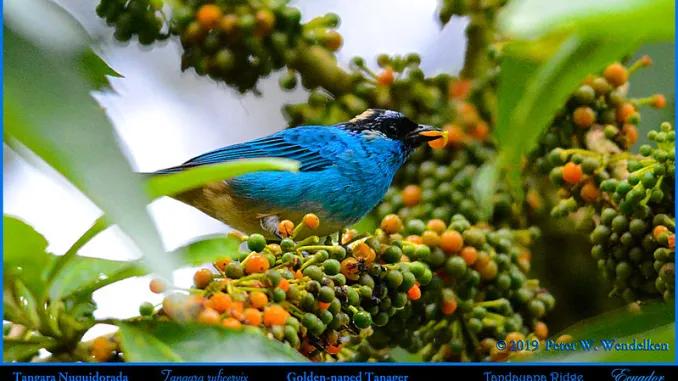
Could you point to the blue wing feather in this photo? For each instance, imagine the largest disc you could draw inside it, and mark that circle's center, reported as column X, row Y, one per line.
column 295, row 144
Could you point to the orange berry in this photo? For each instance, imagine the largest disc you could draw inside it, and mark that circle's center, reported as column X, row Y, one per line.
column 430, row 238
column 298, row 274
column 469, row 254
column 350, row 268
column 208, row 16
column 265, row 21
column 275, row 315
column 157, row 286
column 455, row 134
column 102, row 349
column 514, row 336
column 488, row 271
column 449, row 306
column 658, row 101
column 616, row 74
column 285, row 228
column 228, row 23
column 284, row 284
column 589, row 192
column 256, row 263
column 645, row 60
column 391, row 224
column 672, row 241
column 333, row 40
column 584, row 116
column 386, row 76
column 252, row 316
column 220, row 302
column 231, row 323
column 468, row 113
column 541, row 330
column 411, row 195
column 562, row 339
column 363, row 252
column 414, row 239
column 459, row 89
column 208, row 316
column 258, row 299
column 437, row 225
column 333, row 349
column 414, row 293
column 624, row 111
column 202, row 278
column 221, row 264
column 659, row 230
column 323, row 306
column 311, row 221
column 451, row 241
column 631, row 133
column 481, row 131
column 572, row 173
column 237, row 309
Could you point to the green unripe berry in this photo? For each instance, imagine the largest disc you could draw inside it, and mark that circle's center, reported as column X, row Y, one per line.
column 455, row 266
column 326, row 294
column 394, row 279
column 146, row 309
column 314, row 272
column 362, row 319
column 256, row 242
column 331, row 267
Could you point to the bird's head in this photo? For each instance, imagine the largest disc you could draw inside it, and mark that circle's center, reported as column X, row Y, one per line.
column 392, row 125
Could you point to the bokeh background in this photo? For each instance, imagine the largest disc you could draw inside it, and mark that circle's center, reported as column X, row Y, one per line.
column 163, row 117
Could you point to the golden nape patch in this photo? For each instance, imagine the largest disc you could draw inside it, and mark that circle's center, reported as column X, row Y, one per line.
column 367, row 114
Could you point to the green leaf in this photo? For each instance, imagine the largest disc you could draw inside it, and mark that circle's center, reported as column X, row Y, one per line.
column 210, row 249
column 24, row 350
column 49, row 110
column 24, row 256
column 168, row 341
column 96, row 70
column 655, row 321
column 171, row 184
column 84, row 275
column 634, row 19
column 530, row 92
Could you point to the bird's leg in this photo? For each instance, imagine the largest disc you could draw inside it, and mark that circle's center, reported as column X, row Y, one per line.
column 270, row 224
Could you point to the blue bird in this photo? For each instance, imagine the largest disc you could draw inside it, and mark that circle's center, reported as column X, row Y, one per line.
column 345, row 171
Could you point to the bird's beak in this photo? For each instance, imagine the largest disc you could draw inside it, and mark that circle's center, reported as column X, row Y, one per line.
column 432, row 135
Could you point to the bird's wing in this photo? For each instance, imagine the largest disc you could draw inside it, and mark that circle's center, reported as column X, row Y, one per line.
column 308, row 145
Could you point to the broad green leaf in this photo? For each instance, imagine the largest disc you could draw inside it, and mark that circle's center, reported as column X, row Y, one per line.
column 168, row 341
column 23, row 350
column 654, row 321
column 533, row 19
column 49, row 110
column 531, row 92
column 210, row 249
column 84, row 275
column 171, row 184
column 24, row 256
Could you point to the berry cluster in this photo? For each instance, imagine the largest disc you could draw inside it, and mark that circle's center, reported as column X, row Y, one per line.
column 239, row 42
column 598, row 117
column 400, row 85
column 475, row 292
column 325, row 298
column 142, row 18
column 631, row 199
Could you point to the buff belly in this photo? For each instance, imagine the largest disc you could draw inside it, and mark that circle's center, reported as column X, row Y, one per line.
column 219, row 201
